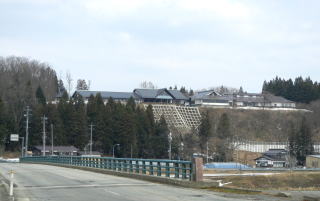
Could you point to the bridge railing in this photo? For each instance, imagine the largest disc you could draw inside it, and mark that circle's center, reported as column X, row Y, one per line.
column 162, row 168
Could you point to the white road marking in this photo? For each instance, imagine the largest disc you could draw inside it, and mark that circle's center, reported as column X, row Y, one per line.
column 81, row 186
column 114, row 193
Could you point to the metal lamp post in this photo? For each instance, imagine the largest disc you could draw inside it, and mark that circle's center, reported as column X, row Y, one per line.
column 113, row 149
column 170, row 140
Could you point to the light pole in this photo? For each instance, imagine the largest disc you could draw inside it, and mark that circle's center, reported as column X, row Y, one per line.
column 22, row 146
column 170, row 140
column 44, row 119
column 181, row 154
column 91, row 127
column 113, row 149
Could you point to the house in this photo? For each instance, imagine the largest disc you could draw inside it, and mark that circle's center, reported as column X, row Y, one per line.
column 122, row 97
column 57, row 150
column 160, row 96
column 313, row 161
column 139, row 95
column 276, row 158
column 212, row 98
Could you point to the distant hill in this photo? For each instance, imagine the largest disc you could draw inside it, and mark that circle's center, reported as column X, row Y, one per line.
column 263, row 125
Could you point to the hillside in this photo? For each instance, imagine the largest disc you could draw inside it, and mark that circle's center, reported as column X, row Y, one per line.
column 264, row 125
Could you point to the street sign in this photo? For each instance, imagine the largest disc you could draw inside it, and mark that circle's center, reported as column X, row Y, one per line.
column 14, row 137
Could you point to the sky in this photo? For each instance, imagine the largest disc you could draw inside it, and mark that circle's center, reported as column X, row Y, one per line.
column 117, row 44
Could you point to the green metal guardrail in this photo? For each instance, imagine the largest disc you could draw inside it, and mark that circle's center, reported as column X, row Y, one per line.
column 166, row 168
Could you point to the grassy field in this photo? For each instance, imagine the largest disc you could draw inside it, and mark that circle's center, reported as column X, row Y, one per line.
column 283, row 181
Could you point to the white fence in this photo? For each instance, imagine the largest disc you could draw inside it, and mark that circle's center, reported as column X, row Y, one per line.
column 261, row 147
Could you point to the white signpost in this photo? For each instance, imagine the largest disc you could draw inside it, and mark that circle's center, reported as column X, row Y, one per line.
column 14, row 137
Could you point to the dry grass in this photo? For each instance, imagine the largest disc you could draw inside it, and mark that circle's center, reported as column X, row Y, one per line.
column 11, row 154
column 283, row 181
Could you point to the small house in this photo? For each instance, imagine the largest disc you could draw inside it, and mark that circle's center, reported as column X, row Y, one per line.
column 276, row 158
column 313, row 161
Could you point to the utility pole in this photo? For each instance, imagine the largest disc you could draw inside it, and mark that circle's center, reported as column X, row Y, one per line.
column 44, row 119
column 27, row 115
column 22, row 148
column 91, row 127
column 170, row 140
column 207, row 151
column 52, row 139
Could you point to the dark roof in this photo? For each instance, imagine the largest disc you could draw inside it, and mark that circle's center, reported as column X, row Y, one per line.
column 272, row 158
column 209, row 94
column 178, row 95
column 105, row 94
column 275, row 151
column 58, row 148
column 159, row 93
column 276, row 99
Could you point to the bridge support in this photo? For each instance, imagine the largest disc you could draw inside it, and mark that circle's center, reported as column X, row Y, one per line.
column 197, row 169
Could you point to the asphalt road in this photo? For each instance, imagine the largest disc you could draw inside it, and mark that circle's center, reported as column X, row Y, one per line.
column 43, row 183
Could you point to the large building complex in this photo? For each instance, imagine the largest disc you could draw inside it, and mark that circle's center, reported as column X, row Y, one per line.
column 212, row 98
column 140, row 96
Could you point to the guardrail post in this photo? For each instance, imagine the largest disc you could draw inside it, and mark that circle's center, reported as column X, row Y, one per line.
column 144, row 171
column 151, row 167
column 184, row 171
column 176, row 170
column 167, row 169
column 137, row 167
column 131, row 167
column 197, row 169
column 159, row 169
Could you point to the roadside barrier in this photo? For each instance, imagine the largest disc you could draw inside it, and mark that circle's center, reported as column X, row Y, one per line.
column 185, row 170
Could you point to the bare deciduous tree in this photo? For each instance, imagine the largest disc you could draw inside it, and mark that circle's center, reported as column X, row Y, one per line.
column 147, row 85
column 69, row 82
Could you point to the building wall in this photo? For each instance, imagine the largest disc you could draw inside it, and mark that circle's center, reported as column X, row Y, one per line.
column 313, row 162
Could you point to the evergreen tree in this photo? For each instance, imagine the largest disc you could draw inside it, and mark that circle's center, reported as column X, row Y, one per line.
column 223, row 129
column 41, row 99
column 78, row 128
column 300, row 141
column 204, row 130
column 3, row 127
column 160, row 143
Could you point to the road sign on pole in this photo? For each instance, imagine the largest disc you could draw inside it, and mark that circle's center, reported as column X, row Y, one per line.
column 14, row 137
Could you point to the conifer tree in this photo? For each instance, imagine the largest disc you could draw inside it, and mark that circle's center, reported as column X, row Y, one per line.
column 223, row 129
column 41, row 99
column 204, row 130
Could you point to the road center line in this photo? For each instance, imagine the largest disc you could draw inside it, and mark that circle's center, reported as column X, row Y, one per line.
column 82, row 186
column 114, row 193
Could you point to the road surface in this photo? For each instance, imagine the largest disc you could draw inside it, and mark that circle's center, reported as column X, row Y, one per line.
column 43, row 183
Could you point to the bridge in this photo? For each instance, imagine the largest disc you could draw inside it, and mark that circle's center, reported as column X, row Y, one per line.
column 40, row 179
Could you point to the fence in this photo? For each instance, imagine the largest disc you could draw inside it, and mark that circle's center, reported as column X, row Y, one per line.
column 261, row 147
column 166, row 168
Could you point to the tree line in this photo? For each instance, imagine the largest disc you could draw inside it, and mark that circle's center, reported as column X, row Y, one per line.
column 297, row 90
column 129, row 125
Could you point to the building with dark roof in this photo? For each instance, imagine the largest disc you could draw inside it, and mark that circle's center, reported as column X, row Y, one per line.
column 139, row 95
column 273, row 158
column 122, row 97
column 211, row 98
column 160, row 96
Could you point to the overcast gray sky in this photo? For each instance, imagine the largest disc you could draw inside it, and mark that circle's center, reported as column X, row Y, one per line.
column 194, row 43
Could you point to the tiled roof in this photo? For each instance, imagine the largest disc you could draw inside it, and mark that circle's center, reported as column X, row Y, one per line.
column 106, row 94
column 154, row 93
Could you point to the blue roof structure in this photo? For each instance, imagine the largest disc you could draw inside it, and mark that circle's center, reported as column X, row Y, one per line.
column 226, row 166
